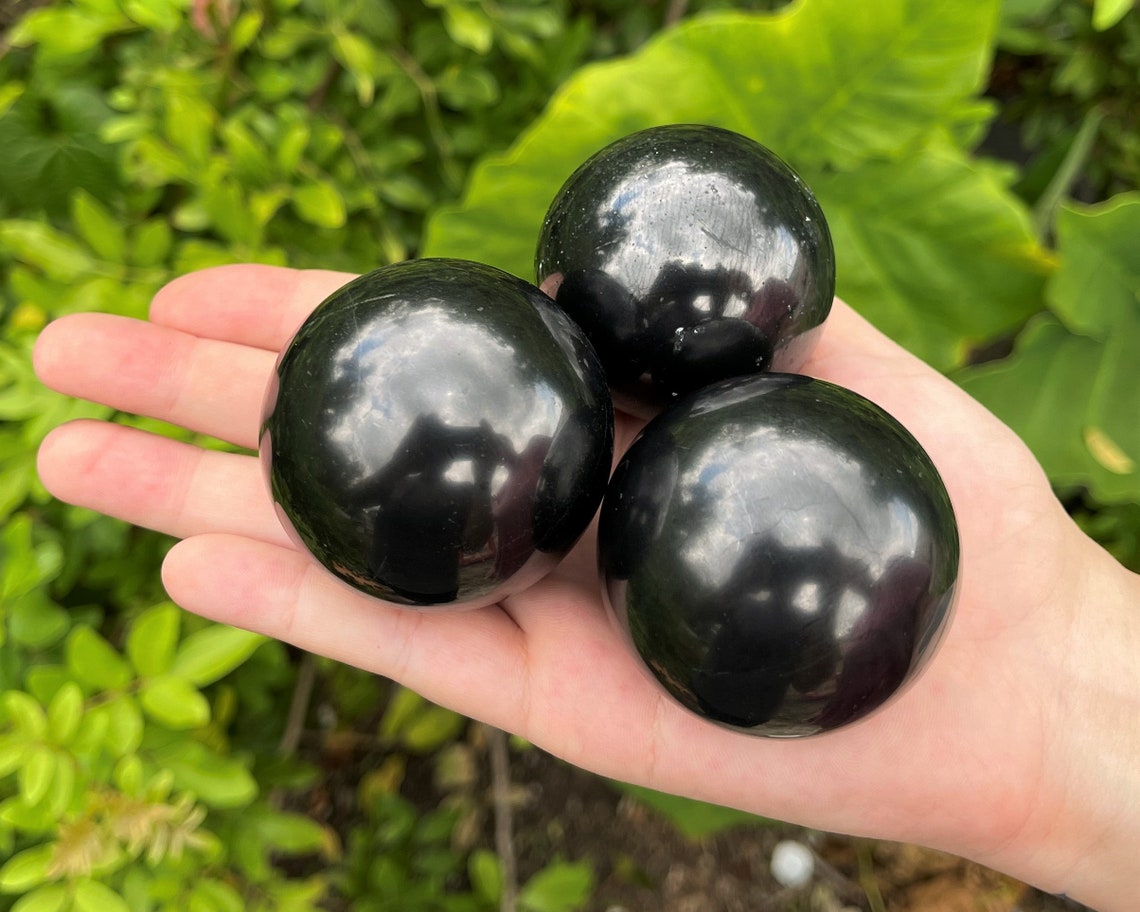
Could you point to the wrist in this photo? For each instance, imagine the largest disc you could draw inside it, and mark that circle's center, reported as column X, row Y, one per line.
column 1082, row 838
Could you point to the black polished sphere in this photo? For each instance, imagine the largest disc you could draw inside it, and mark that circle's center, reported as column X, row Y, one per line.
column 688, row 254
column 437, row 432
column 781, row 553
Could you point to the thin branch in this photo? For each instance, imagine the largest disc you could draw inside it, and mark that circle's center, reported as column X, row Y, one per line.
column 299, row 707
column 504, row 827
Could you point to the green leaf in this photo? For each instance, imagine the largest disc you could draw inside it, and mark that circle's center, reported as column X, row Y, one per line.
column 25, row 714
column 1097, row 284
column 433, row 727
column 174, row 702
column 39, row 245
column 26, row 870
column 95, row 662
column 291, row 833
column 695, row 820
column 63, row 31
column 469, row 27
column 1106, row 13
column 92, row 896
column 213, row 652
column 13, row 752
column 36, row 774
column 64, row 713
column 245, row 30
column 50, row 146
column 47, row 898
column 485, row 872
column 942, row 276
column 1072, row 400
column 190, row 127
column 162, row 16
column 124, row 730
column 99, row 228
column 153, row 637
column 218, row 781
column 559, row 887
column 151, row 243
column 319, row 203
column 37, row 622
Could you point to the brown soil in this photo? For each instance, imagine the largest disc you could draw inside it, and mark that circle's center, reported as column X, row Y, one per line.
column 644, row 865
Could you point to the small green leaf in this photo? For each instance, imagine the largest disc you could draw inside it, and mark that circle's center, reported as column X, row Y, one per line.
column 25, row 714
column 245, row 30
column 218, row 781
column 13, row 753
column 64, row 713
column 292, row 833
column 1106, row 13
column 35, row 775
column 485, row 872
column 291, row 147
column 51, row 251
column 99, row 228
column 161, row 16
column 174, row 702
column 37, row 622
column 128, row 775
column 432, row 727
column 124, row 724
column 26, row 870
column 46, row 898
column 151, row 242
column 153, row 637
column 559, row 887
column 190, row 127
column 215, row 896
column 319, row 203
column 92, row 896
column 213, row 652
column 96, row 662
column 62, row 790
column 469, row 27
column 696, row 820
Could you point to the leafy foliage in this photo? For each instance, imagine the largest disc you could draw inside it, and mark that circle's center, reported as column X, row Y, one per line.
column 140, row 761
column 883, row 91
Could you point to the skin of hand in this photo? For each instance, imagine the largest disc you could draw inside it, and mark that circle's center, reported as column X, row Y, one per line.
column 1018, row 746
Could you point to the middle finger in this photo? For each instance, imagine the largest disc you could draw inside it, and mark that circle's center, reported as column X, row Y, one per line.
column 210, row 386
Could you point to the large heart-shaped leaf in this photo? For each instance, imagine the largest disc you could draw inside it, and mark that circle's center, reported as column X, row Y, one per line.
column 929, row 245
column 825, row 83
column 934, row 250
column 1070, row 390
column 1073, row 401
column 1098, row 282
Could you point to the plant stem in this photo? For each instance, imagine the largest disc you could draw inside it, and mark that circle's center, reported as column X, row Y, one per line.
column 504, row 839
column 867, row 878
column 1058, row 188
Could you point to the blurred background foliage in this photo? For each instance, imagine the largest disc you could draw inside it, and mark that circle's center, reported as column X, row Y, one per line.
column 978, row 162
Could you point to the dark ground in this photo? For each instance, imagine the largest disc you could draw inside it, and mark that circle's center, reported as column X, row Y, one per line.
column 644, row 865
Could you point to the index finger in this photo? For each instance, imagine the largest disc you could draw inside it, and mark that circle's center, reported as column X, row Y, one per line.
column 250, row 304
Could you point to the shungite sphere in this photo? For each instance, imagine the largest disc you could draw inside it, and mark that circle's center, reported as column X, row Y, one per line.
column 781, row 554
column 688, row 254
column 437, row 433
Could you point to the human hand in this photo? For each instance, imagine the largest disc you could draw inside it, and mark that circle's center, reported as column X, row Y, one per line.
column 987, row 754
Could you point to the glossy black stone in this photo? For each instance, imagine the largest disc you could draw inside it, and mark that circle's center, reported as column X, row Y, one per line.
column 780, row 552
column 437, row 432
column 688, row 254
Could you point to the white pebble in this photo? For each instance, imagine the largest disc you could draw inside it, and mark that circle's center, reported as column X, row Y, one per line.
column 792, row 864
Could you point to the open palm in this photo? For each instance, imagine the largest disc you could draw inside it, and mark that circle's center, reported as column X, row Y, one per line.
column 546, row 663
